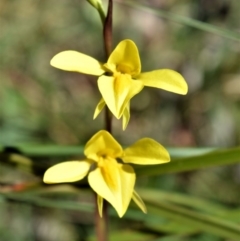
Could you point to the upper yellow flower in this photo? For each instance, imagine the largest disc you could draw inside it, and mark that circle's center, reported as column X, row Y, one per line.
column 110, row 179
column 120, row 78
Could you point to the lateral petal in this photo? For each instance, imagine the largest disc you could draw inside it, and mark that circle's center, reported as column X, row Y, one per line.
column 117, row 91
column 138, row 200
column 100, row 205
column 102, row 144
column 166, row 79
column 126, row 116
column 74, row 61
column 146, row 151
column 70, row 171
column 99, row 108
column 114, row 182
column 125, row 59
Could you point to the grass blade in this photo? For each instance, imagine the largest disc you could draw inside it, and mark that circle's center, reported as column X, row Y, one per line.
column 206, row 223
column 184, row 20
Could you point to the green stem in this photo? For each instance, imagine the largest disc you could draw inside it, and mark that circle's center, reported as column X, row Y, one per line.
column 98, row 5
column 101, row 13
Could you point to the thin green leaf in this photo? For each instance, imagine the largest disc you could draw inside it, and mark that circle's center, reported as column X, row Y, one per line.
column 206, row 223
column 49, row 150
column 129, row 235
column 187, row 152
column 47, row 202
column 171, row 238
column 233, row 215
column 184, row 20
column 216, row 158
column 186, row 200
column 56, row 150
column 171, row 227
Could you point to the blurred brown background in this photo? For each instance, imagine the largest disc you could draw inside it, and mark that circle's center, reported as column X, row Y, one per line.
column 44, row 105
column 39, row 103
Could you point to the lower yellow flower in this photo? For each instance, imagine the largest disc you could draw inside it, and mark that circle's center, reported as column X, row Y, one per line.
column 110, row 179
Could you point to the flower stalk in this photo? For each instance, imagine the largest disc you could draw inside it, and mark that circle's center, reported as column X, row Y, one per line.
column 107, row 36
column 107, row 30
column 120, row 79
column 102, row 222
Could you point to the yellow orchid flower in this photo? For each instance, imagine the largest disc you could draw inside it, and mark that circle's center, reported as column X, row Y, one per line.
column 120, row 78
column 110, row 179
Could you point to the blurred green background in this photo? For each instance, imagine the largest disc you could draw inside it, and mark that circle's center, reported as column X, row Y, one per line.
column 43, row 105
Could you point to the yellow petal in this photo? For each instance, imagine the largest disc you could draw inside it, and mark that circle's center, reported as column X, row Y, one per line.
column 99, row 108
column 125, row 59
column 146, row 152
column 102, row 144
column 126, row 116
column 70, row 171
column 114, row 182
column 117, row 91
column 165, row 79
column 137, row 199
column 100, row 205
column 78, row 62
